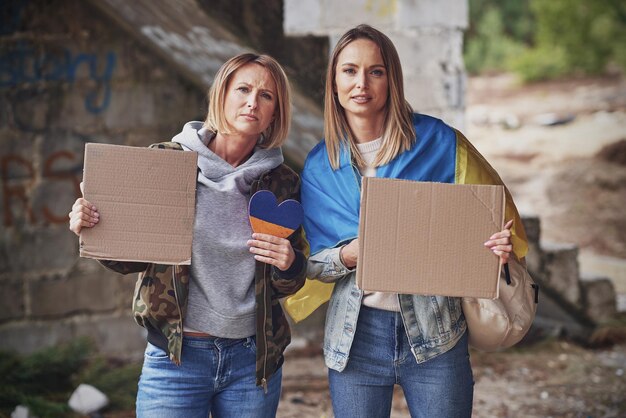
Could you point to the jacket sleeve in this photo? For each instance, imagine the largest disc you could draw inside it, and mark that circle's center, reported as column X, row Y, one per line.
column 288, row 282
column 326, row 266
column 127, row 267
column 124, row 267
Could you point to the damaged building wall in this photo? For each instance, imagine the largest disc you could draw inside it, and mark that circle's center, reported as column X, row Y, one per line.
column 67, row 77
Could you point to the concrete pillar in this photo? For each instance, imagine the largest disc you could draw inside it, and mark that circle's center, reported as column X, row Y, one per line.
column 427, row 33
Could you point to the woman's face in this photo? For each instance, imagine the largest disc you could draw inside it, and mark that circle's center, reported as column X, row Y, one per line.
column 361, row 80
column 250, row 101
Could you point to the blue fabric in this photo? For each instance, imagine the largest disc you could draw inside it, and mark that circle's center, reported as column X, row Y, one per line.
column 331, row 198
column 381, row 357
column 217, row 375
column 264, row 206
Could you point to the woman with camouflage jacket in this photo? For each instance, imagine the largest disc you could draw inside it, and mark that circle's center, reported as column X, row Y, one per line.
column 216, row 331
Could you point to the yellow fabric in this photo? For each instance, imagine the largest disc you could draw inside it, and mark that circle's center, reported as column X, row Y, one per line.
column 471, row 168
column 310, row 297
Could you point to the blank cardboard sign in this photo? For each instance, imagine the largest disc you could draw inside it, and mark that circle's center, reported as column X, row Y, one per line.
column 146, row 199
column 427, row 238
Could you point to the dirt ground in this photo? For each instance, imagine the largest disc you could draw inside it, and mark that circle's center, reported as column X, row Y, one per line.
column 572, row 175
column 561, row 149
column 552, row 379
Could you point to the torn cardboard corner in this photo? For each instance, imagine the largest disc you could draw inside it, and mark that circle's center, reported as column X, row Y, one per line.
column 146, row 199
column 427, row 238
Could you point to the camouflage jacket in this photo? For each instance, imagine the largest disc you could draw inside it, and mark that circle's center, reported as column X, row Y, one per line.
column 160, row 298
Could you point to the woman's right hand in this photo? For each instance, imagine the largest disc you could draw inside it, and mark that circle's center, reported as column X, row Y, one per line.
column 83, row 214
column 349, row 254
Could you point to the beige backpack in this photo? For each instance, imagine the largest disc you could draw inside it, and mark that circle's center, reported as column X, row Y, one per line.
column 495, row 324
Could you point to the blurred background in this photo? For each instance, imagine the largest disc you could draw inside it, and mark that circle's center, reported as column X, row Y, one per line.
column 537, row 86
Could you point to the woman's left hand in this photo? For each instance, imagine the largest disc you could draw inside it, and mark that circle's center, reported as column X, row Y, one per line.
column 272, row 250
column 500, row 243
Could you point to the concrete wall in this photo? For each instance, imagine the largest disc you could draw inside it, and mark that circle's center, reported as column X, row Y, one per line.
column 67, row 77
column 427, row 33
column 259, row 24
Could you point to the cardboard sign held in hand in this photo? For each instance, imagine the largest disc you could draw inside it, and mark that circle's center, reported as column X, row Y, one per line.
column 424, row 238
column 147, row 199
column 267, row 217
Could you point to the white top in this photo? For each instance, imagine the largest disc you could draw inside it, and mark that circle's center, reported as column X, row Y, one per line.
column 379, row 300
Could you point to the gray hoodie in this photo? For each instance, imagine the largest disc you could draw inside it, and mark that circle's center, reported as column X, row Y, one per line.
column 221, row 292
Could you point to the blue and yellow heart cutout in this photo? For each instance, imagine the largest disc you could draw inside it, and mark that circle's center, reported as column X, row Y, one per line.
column 268, row 217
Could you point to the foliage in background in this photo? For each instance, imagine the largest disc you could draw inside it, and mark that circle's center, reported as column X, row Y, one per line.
column 44, row 381
column 517, row 15
column 544, row 39
column 491, row 48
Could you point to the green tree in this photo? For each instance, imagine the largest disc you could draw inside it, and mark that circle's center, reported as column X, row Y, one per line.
column 516, row 15
column 542, row 39
column 587, row 32
column 574, row 37
column 491, row 48
column 497, row 32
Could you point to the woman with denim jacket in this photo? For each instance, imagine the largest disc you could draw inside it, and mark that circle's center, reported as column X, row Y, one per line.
column 375, row 340
column 216, row 329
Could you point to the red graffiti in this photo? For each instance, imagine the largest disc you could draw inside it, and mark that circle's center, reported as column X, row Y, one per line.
column 16, row 191
column 20, row 189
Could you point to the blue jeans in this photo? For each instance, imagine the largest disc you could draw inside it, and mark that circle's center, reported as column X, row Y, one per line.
column 381, row 357
column 216, row 375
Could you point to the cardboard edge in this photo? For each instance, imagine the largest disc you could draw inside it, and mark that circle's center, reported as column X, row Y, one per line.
column 87, row 254
column 503, row 220
column 362, row 218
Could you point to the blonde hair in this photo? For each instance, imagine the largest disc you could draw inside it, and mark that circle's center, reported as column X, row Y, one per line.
column 276, row 134
column 398, row 130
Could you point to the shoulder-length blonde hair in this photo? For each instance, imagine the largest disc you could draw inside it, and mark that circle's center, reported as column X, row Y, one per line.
column 398, row 130
column 276, row 134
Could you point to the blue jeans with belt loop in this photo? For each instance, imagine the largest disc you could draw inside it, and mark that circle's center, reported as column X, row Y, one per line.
column 216, row 375
column 380, row 357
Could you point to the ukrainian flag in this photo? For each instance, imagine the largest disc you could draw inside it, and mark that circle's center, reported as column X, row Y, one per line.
column 331, row 198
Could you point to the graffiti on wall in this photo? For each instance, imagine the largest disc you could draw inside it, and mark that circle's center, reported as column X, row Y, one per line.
column 16, row 192
column 23, row 64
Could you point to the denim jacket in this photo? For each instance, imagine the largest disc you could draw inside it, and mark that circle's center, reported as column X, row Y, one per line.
column 433, row 324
